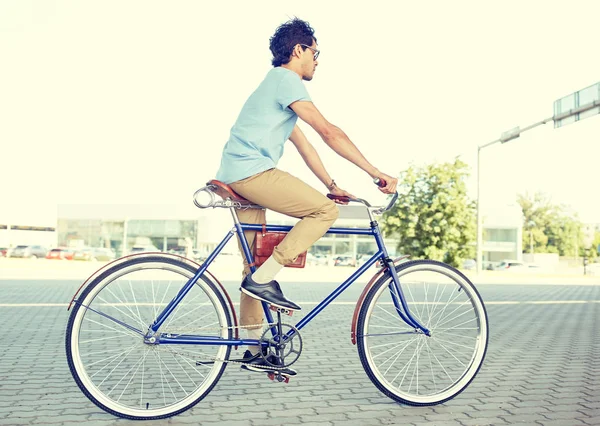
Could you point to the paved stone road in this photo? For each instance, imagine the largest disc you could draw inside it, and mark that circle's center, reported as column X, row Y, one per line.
column 542, row 367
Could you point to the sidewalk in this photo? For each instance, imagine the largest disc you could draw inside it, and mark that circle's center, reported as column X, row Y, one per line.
column 80, row 270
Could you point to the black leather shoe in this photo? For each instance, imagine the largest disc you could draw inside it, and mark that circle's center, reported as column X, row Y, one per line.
column 257, row 363
column 269, row 292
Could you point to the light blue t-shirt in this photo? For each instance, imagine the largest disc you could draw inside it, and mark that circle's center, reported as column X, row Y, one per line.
column 263, row 126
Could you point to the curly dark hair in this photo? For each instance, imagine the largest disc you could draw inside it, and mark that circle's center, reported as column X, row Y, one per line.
column 287, row 35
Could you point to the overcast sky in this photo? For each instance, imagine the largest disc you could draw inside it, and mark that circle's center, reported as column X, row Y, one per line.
column 131, row 102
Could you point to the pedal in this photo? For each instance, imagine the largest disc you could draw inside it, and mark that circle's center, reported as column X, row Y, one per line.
column 283, row 311
column 280, row 377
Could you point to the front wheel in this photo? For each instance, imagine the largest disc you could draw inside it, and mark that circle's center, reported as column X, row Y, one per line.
column 404, row 363
column 106, row 352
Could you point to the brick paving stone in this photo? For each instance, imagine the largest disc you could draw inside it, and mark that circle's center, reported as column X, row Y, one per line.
column 14, row 421
column 483, row 421
column 291, row 413
column 571, row 422
column 560, row 415
column 317, row 424
column 323, row 417
column 564, row 407
column 299, row 404
column 357, row 422
column 278, row 421
column 592, row 421
column 523, row 418
column 346, row 402
column 327, row 410
column 375, row 407
column 230, row 423
column 435, row 418
column 401, row 419
column 192, row 419
column 593, row 405
column 244, row 416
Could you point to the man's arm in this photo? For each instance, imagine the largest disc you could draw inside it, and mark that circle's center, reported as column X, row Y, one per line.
column 309, row 155
column 337, row 140
column 333, row 136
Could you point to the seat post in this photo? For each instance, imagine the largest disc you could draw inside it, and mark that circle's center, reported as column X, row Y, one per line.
column 236, row 219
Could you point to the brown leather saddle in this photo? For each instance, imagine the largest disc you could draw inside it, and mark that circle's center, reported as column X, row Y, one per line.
column 225, row 192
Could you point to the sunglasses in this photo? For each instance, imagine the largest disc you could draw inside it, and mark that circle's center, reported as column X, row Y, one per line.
column 314, row 51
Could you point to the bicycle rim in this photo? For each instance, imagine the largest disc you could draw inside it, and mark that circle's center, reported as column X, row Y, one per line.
column 112, row 364
column 407, row 365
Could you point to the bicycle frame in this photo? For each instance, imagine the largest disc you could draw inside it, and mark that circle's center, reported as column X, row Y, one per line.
column 152, row 335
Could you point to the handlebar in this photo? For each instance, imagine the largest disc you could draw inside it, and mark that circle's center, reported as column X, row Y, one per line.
column 377, row 181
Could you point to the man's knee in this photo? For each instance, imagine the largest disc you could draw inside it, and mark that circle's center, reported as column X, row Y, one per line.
column 330, row 212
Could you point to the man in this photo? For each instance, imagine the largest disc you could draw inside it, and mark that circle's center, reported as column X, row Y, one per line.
column 248, row 166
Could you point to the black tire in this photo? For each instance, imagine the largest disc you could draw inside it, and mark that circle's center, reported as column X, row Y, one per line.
column 413, row 275
column 88, row 297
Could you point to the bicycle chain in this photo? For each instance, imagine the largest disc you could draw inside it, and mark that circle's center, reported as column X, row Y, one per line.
column 194, row 357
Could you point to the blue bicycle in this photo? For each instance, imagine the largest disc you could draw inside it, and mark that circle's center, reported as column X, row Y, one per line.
column 150, row 335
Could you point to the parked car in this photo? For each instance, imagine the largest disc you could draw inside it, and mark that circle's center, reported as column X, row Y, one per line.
column 198, row 256
column 143, row 249
column 60, row 253
column 469, row 264
column 179, row 251
column 84, row 253
column 29, row 252
column 3, row 251
column 317, row 259
column 344, row 260
column 510, row 264
column 94, row 253
column 103, row 254
column 362, row 259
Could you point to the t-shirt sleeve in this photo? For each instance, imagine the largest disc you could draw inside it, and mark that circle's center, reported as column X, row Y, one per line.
column 291, row 90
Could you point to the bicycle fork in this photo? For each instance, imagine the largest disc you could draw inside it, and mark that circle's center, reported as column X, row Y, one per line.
column 401, row 305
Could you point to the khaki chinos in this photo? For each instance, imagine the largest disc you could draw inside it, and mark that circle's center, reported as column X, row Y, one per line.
column 279, row 191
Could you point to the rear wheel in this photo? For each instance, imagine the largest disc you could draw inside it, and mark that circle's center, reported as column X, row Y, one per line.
column 404, row 363
column 105, row 346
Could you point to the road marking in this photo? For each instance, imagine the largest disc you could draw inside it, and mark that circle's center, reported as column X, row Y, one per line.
column 493, row 302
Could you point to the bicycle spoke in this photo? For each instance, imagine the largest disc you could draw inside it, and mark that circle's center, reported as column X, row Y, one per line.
column 183, row 369
column 444, row 310
column 138, row 379
column 126, row 305
column 125, row 331
column 115, row 367
column 449, row 352
column 132, row 376
column 392, row 348
column 458, row 316
column 397, row 356
column 413, row 367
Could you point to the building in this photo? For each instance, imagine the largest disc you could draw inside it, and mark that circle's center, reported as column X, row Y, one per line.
column 121, row 227
column 28, row 225
column 169, row 228
column 502, row 234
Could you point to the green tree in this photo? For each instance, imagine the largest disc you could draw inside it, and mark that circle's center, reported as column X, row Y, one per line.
column 555, row 228
column 596, row 243
column 433, row 218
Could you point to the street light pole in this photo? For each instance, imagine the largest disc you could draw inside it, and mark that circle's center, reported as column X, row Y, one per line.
column 479, row 259
column 505, row 137
column 590, row 94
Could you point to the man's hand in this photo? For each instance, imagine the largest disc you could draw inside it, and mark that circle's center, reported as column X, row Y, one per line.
column 391, row 183
column 341, row 192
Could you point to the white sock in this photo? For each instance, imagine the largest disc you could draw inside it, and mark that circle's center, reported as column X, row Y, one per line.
column 254, row 333
column 267, row 271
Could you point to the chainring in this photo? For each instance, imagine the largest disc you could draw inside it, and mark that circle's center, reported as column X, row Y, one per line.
column 285, row 353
